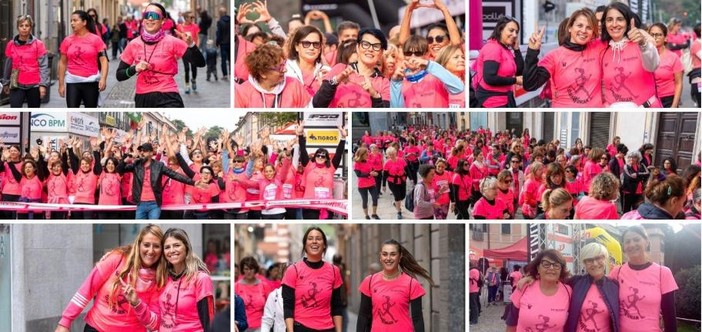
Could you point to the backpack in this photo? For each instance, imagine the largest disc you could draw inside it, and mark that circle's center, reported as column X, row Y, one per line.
column 686, row 60
column 409, row 200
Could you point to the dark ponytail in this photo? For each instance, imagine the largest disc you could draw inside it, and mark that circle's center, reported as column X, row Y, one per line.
column 89, row 23
column 408, row 264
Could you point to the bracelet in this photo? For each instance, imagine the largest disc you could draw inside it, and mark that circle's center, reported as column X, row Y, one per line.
column 127, row 71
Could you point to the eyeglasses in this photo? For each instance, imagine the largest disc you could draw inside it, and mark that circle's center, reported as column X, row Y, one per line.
column 603, row 158
column 550, row 265
column 307, row 44
column 279, row 68
column 415, row 53
column 507, row 181
column 657, row 35
column 366, row 45
column 514, row 161
column 322, row 156
column 152, row 15
column 439, row 39
column 590, row 261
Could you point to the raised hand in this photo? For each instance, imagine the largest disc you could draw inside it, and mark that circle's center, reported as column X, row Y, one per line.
column 399, row 73
column 300, row 129
column 342, row 132
column 244, row 9
column 184, row 36
column 262, row 9
column 536, row 38
column 344, row 75
column 368, row 86
column 635, row 34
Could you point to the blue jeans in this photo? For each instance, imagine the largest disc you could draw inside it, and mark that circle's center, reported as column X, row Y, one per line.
column 224, row 52
column 492, row 292
column 148, row 210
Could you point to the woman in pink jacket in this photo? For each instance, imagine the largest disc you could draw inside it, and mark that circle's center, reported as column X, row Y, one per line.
column 135, row 269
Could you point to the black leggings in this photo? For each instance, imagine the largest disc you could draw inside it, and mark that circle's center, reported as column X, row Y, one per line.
column 188, row 68
column 19, row 96
column 9, row 214
column 462, row 210
column 378, row 181
column 667, row 101
column 413, row 167
column 158, row 100
column 87, row 93
column 364, row 195
column 89, row 328
column 399, row 191
column 628, row 201
column 273, row 216
column 172, row 214
column 310, row 214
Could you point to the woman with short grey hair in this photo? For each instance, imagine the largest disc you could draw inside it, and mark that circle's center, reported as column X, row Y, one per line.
column 633, row 177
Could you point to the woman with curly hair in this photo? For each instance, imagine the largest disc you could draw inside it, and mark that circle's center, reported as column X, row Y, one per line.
column 136, row 269
column 604, row 189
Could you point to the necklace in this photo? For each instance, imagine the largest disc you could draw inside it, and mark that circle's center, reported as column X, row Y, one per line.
column 393, row 276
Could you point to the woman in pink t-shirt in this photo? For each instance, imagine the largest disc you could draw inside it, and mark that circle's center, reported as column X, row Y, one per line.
column 556, row 204
column 453, row 59
column 395, row 178
column 253, row 291
column 190, row 27
column 27, row 56
column 629, row 60
column 505, row 193
column 124, row 286
column 109, row 183
column 598, row 204
column 187, row 299
column 86, row 172
column 312, row 288
column 528, row 199
column 366, row 181
column 440, row 183
column 488, row 206
column 554, row 177
column 573, row 69
column 32, row 182
column 153, row 57
column 391, row 300
column 80, row 77
column 304, row 61
column 647, row 290
column 499, row 66
column 669, row 74
column 542, row 306
column 593, row 166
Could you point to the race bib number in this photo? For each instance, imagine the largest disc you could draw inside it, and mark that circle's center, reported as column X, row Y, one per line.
column 322, row 193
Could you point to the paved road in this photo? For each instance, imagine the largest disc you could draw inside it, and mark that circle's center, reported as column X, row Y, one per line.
column 121, row 94
column 489, row 320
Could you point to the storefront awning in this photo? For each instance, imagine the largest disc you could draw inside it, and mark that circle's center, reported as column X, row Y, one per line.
column 516, row 251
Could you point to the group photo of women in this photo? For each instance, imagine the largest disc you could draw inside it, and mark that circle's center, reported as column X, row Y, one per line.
column 615, row 55
column 320, row 288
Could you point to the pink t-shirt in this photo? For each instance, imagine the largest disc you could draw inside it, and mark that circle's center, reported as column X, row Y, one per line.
column 178, row 303
column 82, row 54
column 85, row 184
column 538, row 312
column 494, row 51
column 202, row 196
column 376, row 161
column 640, row 296
column 173, row 191
column 594, row 315
column 364, row 167
column 591, row 208
column 31, row 189
column 396, row 171
column 474, row 276
column 390, row 301
column 665, row 73
column 109, row 189
column 590, row 170
column 457, row 100
column 626, row 80
column 351, row 94
column 241, row 71
column 483, row 209
column 319, row 181
column 507, row 198
column 57, row 189
column 313, row 292
column 464, row 183
column 694, row 49
column 575, row 76
column 194, row 30
column 254, row 297
column 25, row 59
column 427, row 93
column 440, row 180
column 163, row 63
column 516, row 276
column 478, row 173
column 677, row 38
column 294, row 95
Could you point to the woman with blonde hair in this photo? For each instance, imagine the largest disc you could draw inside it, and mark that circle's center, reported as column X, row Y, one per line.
column 135, row 269
column 556, row 204
column 366, row 181
column 391, row 57
column 604, row 190
column 453, row 58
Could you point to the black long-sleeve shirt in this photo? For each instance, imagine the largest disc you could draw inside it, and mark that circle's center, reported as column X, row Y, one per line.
column 490, row 69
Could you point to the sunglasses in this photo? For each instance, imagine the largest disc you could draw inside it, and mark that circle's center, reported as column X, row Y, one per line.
column 366, row 45
column 439, row 39
column 415, row 53
column 307, row 44
column 507, row 181
column 152, row 15
column 238, row 161
column 321, row 156
column 514, row 161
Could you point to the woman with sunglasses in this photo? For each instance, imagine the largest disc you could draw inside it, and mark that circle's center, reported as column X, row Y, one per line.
column 461, row 186
column 305, row 58
column 153, row 58
column 270, row 188
column 419, row 82
column 80, row 79
column 209, row 193
column 100, row 29
column 629, row 60
column 647, row 289
column 391, row 300
column 499, row 66
column 319, row 174
column 505, row 193
column 573, row 69
column 267, row 86
column 543, row 305
column 359, row 84
column 438, row 35
column 190, row 27
column 669, row 74
column 27, row 73
column 124, row 287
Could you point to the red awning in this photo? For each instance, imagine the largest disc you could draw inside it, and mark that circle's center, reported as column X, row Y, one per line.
column 517, row 251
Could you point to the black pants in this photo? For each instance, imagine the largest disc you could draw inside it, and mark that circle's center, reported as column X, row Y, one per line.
column 158, row 100
column 399, row 191
column 87, row 93
column 8, row 214
column 413, row 168
column 273, row 216
column 695, row 94
column 109, row 215
column 19, row 96
column 33, row 215
column 462, row 210
column 59, row 215
column 473, row 309
column 115, row 49
column 172, row 214
column 667, row 101
column 254, row 214
column 128, row 215
column 87, row 214
column 224, row 53
column 297, row 327
column 310, row 214
column 234, row 214
column 628, row 201
column 364, row 196
column 378, row 181
column 89, row 328
column 189, row 67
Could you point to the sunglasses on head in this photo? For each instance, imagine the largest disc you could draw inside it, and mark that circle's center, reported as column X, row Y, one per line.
column 307, row 44
column 152, row 15
column 439, row 39
column 415, row 53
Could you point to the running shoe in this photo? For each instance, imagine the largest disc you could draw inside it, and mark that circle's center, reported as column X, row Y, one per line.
column 187, row 88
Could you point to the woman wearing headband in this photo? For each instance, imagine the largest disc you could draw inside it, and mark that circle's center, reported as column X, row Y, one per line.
column 153, row 58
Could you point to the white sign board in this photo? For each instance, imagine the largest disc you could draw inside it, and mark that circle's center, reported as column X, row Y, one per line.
column 83, row 124
column 49, row 122
column 10, row 135
column 324, row 119
column 9, row 119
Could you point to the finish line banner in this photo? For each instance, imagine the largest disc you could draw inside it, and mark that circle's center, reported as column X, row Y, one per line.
column 337, row 206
